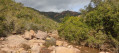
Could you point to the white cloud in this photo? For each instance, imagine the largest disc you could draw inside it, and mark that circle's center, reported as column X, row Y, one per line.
column 54, row 5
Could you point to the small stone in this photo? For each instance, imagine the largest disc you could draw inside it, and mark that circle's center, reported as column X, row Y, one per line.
column 32, row 33
column 35, row 48
column 41, row 35
column 54, row 34
column 27, row 35
column 59, row 43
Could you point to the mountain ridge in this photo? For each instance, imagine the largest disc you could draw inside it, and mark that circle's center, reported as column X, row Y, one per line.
column 59, row 16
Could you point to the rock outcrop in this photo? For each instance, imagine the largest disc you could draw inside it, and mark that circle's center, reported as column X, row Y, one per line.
column 32, row 42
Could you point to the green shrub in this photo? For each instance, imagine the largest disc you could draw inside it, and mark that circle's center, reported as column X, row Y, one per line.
column 97, row 39
column 73, row 29
column 103, row 18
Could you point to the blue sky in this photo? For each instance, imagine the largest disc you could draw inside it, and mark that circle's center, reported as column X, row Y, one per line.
column 55, row 5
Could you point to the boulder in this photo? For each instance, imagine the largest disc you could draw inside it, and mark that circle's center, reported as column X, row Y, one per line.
column 32, row 33
column 7, row 50
column 36, row 41
column 70, row 46
column 14, row 41
column 35, row 48
column 41, row 35
column 51, row 47
column 77, row 50
column 2, row 38
column 21, row 50
column 27, row 35
column 52, row 51
column 59, row 43
column 2, row 51
column 65, row 44
column 54, row 34
column 40, row 42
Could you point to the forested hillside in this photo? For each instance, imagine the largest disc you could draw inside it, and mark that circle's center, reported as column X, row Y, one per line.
column 14, row 18
column 58, row 17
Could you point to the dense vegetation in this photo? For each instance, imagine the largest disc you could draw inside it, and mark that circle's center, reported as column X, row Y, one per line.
column 73, row 29
column 97, row 26
column 14, row 17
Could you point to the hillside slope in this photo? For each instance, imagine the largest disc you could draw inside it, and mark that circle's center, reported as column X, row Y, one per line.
column 14, row 17
column 59, row 16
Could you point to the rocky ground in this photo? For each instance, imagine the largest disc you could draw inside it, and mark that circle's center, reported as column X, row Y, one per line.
column 40, row 42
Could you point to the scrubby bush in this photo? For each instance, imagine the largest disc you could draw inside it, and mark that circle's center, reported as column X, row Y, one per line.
column 50, row 41
column 104, row 17
column 73, row 29
column 26, row 47
column 14, row 17
column 97, row 25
